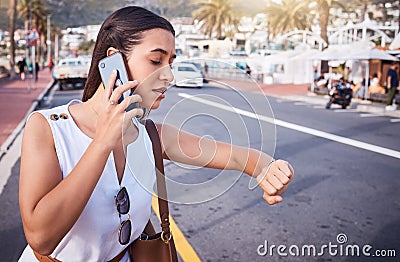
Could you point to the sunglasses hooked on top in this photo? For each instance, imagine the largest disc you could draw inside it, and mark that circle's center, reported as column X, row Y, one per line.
column 123, row 205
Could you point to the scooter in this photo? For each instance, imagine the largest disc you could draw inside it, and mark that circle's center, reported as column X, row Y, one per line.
column 340, row 94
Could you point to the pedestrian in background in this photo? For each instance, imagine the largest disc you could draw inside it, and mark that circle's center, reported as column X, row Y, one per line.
column 73, row 176
column 392, row 83
column 51, row 64
column 37, row 69
column 248, row 70
column 21, row 67
column 375, row 87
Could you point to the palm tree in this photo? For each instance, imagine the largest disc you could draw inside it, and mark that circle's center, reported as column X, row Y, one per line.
column 26, row 8
column 12, row 14
column 217, row 17
column 38, row 11
column 288, row 15
column 323, row 7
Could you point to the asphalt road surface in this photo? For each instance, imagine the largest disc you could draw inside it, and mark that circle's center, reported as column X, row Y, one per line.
column 344, row 198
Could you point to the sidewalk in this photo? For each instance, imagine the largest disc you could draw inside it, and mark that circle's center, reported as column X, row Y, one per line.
column 16, row 103
column 301, row 94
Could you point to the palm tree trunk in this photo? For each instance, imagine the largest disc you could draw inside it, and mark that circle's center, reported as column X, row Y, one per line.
column 364, row 11
column 219, row 32
column 12, row 14
column 323, row 11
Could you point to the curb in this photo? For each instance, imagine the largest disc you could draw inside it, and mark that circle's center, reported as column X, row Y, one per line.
column 316, row 100
column 378, row 111
column 11, row 138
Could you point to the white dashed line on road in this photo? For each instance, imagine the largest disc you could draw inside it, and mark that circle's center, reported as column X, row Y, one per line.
column 345, row 110
column 371, row 115
column 301, row 104
column 395, row 120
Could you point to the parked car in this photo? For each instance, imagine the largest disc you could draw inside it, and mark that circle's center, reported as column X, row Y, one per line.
column 4, row 73
column 71, row 71
column 187, row 74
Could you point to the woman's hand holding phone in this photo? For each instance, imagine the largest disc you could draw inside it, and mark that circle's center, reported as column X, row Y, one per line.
column 113, row 118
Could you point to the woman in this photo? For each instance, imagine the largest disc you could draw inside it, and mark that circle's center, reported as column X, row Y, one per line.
column 375, row 87
column 73, row 163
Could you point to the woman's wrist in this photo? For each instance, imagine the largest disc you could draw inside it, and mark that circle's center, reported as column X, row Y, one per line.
column 101, row 146
column 257, row 161
column 264, row 162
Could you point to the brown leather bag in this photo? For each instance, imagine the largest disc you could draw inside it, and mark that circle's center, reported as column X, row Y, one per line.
column 152, row 246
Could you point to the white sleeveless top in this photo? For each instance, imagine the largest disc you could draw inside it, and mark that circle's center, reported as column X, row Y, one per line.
column 94, row 236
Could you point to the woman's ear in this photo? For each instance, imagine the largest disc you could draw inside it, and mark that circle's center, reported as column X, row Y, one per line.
column 111, row 50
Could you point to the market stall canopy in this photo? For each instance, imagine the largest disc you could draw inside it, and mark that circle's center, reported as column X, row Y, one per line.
column 395, row 43
column 371, row 54
column 341, row 52
column 357, row 51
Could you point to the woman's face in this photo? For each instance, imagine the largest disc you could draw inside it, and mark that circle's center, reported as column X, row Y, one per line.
column 148, row 63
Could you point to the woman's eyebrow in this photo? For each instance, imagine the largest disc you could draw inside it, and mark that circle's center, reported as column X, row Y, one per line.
column 160, row 50
column 164, row 52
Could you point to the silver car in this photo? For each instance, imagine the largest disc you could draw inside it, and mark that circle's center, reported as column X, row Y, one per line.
column 187, row 75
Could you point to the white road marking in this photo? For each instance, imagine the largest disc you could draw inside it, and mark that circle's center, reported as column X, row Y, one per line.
column 301, row 104
column 8, row 161
column 319, row 107
column 303, row 129
column 345, row 110
column 395, row 120
column 370, row 115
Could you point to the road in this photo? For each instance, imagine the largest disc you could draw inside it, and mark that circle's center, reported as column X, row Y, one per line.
column 345, row 186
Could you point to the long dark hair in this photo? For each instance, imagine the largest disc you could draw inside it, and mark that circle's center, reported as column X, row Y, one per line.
column 121, row 30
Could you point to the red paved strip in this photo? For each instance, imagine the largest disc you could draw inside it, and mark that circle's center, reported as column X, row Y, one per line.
column 15, row 101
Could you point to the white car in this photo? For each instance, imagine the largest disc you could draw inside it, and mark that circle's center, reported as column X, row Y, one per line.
column 71, row 71
column 187, row 74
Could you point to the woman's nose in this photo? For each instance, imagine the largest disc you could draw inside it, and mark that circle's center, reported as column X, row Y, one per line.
column 166, row 74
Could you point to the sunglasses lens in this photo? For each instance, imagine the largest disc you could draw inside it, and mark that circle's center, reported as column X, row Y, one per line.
column 122, row 201
column 125, row 232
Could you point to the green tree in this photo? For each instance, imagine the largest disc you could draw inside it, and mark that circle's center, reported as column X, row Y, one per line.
column 288, row 15
column 26, row 8
column 38, row 11
column 217, row 17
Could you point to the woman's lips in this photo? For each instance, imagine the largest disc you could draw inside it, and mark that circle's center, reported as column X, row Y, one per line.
column 161, row 91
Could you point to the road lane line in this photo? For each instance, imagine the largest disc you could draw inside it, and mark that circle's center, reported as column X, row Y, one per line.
column 8, row 161
column 303, row 129
column 301, row 104
column 183, row 247
column 395, row 120
column 345, row 110
column 370, row 115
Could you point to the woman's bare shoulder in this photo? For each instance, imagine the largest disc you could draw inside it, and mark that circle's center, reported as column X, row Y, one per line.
column 37, row 129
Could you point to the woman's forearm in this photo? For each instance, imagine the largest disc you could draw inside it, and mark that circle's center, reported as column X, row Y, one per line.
column 249, row 161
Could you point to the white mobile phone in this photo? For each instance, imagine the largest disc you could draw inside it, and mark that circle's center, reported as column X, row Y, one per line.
column 106, row 67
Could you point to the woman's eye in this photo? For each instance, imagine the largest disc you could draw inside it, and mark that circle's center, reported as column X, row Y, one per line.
column 155, row 62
